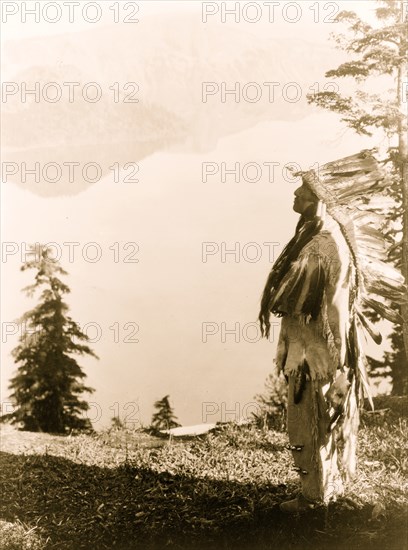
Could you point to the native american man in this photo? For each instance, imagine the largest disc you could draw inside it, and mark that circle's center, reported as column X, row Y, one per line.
column 327, row 274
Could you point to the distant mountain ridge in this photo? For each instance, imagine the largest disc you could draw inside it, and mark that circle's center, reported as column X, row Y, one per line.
column 169, row 63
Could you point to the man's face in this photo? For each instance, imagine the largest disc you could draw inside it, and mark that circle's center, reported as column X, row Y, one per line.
column 304, row 197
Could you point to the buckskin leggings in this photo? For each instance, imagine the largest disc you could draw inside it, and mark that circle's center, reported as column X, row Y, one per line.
column 313, row 448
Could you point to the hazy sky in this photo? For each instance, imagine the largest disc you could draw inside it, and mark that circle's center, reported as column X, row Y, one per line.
column 154, row 283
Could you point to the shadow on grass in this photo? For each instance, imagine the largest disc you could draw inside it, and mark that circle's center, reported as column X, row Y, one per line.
column 76, row 506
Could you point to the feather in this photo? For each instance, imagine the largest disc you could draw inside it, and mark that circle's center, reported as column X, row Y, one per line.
column 375, row 335
column 382, row 309
column 378, row 203
column 348, row 187
column 369, row 227
column 360, row 369
column 362, row 365
column 383, row 279
column 349, row 429
column 357, row 186
column 370, row 233
column 362, row 161
column 369, row 254
column 366, row 217
column 301, row 291
column 291, row 280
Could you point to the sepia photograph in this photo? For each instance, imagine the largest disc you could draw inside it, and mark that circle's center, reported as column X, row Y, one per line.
column 204, row 275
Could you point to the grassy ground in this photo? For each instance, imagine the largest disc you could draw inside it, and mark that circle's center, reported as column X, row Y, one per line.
column 221, row 491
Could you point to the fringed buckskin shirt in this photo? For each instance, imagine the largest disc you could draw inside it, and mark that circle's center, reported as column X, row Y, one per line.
column 325, row 262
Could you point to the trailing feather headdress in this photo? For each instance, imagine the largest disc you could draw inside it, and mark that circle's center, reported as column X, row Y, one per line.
column 348, row 189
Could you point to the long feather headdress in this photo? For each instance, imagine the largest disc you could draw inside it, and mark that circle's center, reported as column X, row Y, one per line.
column 349, row 188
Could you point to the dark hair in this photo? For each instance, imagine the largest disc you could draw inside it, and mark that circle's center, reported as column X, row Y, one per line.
column 306, row 229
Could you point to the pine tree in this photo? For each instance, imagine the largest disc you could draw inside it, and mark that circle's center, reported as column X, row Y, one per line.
column 272, row 404
column 377, row 52
column 393, row 364
column 117, row 423
column 49, row 382
column 164, row 418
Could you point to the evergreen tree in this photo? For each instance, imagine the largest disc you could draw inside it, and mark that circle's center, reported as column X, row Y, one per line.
column 117, row 423
column 393, row 364
column 380, row 51
column 272, row 404
column 49, row 382
column 164, row 418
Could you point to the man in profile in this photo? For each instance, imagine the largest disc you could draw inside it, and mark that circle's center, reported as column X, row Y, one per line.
column 319, row 285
